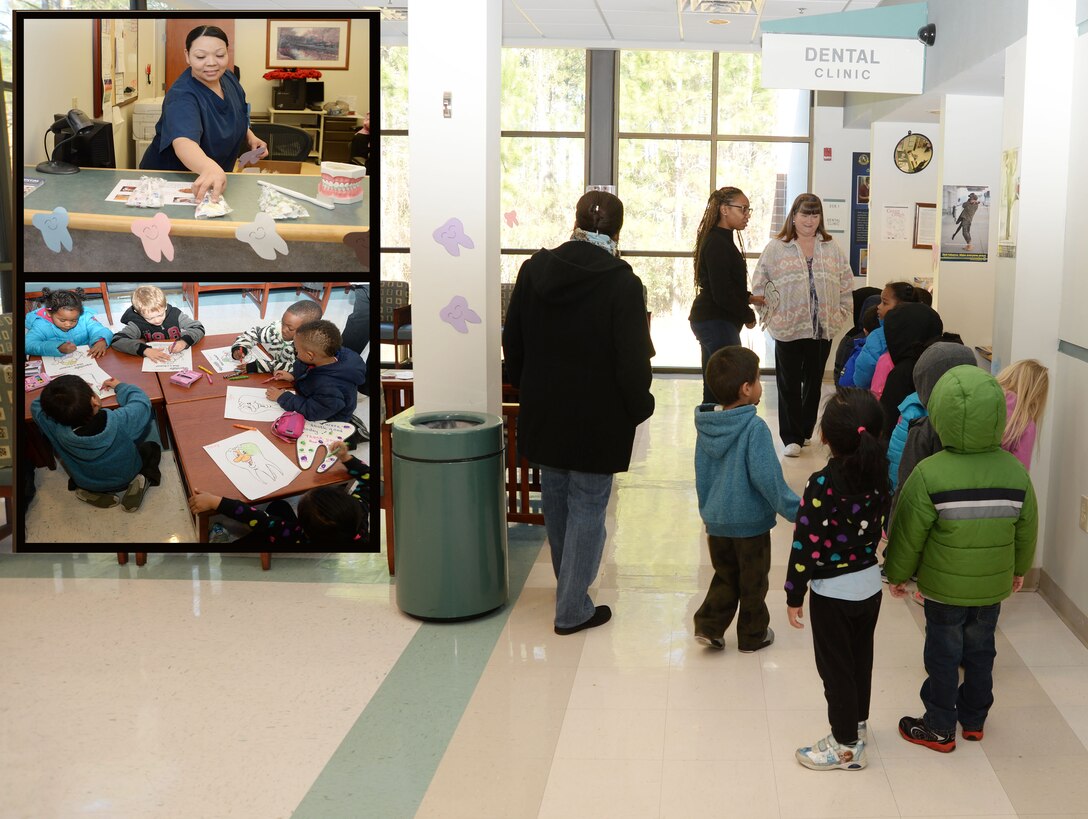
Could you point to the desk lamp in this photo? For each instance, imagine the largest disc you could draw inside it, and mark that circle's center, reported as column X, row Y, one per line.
column 80, row 124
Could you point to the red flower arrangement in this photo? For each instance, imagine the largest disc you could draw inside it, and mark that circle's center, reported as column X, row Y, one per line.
column 293, row 74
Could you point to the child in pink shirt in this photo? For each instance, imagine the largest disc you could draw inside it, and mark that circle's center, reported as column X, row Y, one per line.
column 1025, row 384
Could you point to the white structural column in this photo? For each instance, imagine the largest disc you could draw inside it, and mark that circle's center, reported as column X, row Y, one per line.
column 971, row 155
column 1033, row 326
column 453, row 162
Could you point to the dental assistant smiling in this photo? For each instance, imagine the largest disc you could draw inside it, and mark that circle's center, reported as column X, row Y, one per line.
column 204, row 117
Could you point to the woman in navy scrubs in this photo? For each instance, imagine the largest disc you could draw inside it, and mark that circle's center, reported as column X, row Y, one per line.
column 204, row 121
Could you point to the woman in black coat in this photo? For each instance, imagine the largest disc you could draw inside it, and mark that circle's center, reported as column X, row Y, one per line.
column 578, row 348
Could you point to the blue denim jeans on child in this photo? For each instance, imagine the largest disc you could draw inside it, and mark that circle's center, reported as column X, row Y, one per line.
column 574, row 507
column 955, row 635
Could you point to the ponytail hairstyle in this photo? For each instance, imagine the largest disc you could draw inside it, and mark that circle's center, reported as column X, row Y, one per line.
column 205, row 31
column 54, row 300
column 711, row 217
column 1030, row 381
column 329, row 515
column 599, row 212
column 851, row 425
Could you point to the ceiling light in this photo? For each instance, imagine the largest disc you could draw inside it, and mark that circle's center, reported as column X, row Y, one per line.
column 717, row 21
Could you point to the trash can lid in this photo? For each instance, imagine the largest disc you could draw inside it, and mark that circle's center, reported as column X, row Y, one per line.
column 447, row 436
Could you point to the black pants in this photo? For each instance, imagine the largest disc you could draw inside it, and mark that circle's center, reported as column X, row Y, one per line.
column 842, row 638
column 741, row 565
column 799, row 371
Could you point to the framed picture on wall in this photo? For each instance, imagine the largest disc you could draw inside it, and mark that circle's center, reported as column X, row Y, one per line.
column 925, row 225
column 321, row 44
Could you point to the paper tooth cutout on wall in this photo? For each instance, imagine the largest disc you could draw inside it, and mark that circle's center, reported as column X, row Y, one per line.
column 511, row 217
column 154, row 233
column 452, row 236
column 260, row 234
column 54, row 229
column 359, row 242
column 457, row 313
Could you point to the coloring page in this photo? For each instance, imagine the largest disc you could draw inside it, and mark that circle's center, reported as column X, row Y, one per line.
column 221, row 360
column 81, row 364
column 250, row 404
column 252, row 463
column 178, row 361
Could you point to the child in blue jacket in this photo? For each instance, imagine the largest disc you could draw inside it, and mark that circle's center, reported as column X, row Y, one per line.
column 893, row 294
column 870, row 321
column 60, row 326
column 739, row 482
column 326, row 374
column 104, row 450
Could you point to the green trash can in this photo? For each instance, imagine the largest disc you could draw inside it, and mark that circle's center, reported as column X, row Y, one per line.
column 449, row 514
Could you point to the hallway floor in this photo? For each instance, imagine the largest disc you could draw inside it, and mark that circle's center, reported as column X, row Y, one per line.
column 200, row 686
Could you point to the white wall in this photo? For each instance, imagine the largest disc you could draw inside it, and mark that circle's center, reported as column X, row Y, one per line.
column 897, row 260
column 970, row 155
column 53, row 48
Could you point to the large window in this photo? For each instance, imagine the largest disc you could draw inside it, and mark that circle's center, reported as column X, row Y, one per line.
column 543, row 120
column 691, row 122
column 393, row 136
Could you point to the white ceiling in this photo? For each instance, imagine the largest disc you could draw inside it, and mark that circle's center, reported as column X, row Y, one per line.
column 635, row 23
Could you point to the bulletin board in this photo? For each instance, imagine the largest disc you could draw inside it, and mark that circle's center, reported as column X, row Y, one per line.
column 115, row 57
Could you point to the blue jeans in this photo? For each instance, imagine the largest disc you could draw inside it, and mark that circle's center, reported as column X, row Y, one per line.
column 955, row 635
column 712, row 335
column 574, row 507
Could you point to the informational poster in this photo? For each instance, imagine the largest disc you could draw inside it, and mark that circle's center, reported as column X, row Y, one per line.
column 965, row 223
column 835, row 215
column 859, row 211
column 1010, row 204
column 896, row 225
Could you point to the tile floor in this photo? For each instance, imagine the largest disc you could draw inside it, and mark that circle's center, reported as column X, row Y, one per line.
column 196, row 686
column 164, row 517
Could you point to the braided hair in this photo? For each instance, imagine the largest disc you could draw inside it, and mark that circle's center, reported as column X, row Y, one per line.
column 711, row 217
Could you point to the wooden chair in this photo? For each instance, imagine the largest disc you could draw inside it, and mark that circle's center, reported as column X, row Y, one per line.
column 101, row 291
column 257, row 291
column 395, row 320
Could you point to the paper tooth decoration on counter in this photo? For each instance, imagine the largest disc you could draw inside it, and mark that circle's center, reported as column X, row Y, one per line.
column 260, row 234
column 154, row 233
column 54, row 229
column 340, row 183
column 317, row 434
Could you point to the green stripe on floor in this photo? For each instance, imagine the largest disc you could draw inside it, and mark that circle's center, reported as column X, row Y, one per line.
column 387, row 760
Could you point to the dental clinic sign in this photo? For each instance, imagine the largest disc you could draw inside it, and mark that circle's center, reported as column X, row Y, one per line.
column 879, row 65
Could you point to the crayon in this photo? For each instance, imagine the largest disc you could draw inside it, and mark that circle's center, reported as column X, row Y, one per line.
column 238, row 378
column 267, row 380
column 205, row 369
column 208, row 376
column 243, row 426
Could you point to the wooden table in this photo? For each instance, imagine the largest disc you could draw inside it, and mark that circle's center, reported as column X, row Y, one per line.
column 125, row 368
column 173, row 394
column 194, row 424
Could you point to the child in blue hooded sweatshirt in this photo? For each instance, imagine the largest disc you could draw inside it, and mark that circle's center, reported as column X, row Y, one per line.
column 739, row 482
column 326, row 375
column 893, row 294
column 60, row 325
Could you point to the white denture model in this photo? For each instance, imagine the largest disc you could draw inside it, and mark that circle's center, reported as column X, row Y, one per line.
column 316, row 434
column 340, row 183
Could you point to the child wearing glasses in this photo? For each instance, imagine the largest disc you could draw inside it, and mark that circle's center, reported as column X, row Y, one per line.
column 149, row 319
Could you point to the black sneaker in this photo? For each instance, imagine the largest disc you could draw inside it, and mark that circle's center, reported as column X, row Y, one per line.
column 601, row 616
column 914, row 729
column 768, row 638
column 103, row 500
column 710, row 642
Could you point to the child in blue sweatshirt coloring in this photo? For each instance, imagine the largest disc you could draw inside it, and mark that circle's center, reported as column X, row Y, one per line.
column 59, row 326
column 875, row 346
column 326, row 375
column 103, row 450
column 741, row 489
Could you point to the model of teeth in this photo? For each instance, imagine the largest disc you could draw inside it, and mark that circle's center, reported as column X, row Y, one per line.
column 341, row 183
